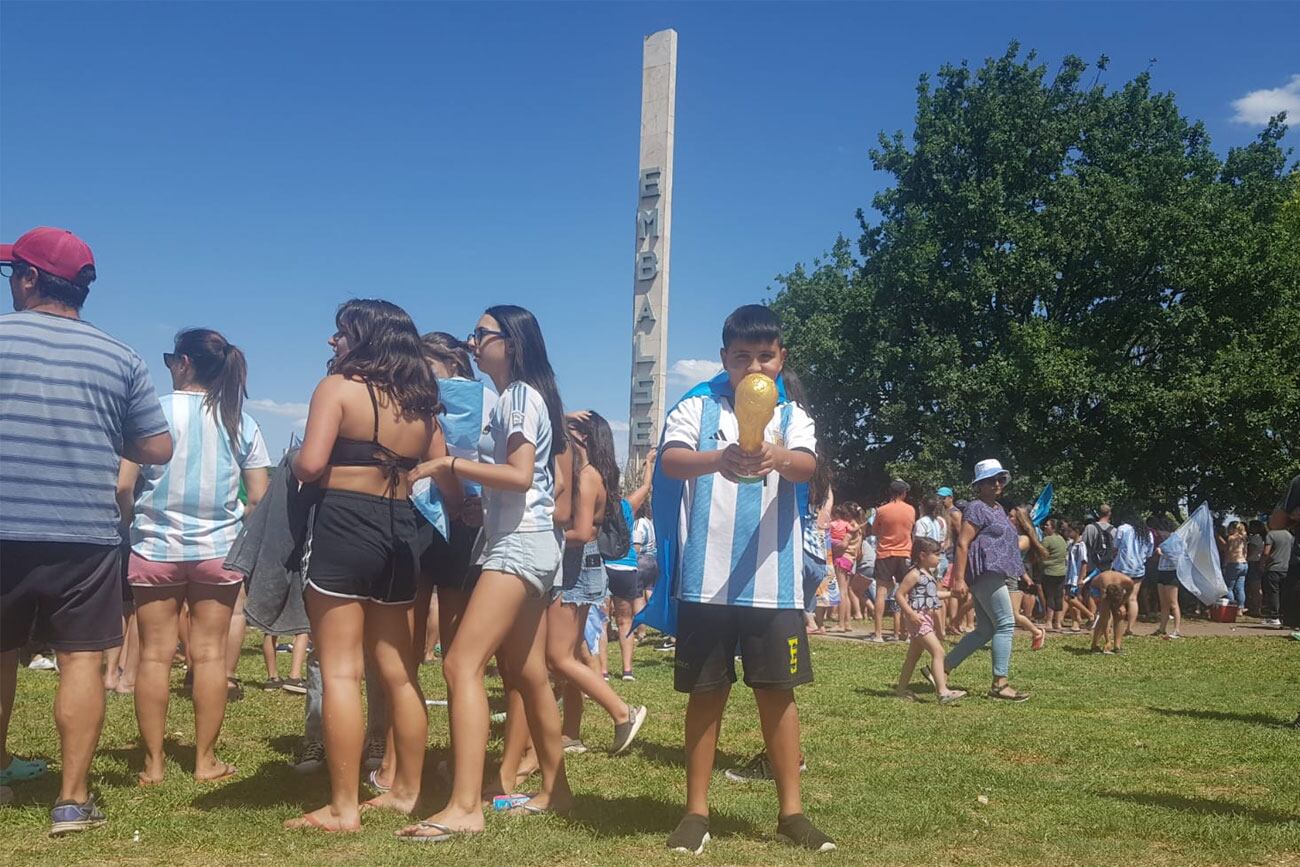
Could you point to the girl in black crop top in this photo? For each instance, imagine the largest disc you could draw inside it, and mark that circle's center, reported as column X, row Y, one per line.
column 361, row 567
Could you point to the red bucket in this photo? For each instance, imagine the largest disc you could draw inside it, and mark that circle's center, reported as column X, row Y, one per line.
column 1224, row 613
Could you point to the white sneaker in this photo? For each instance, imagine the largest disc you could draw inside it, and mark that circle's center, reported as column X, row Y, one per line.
column 1173, row 635
column 1266, row 622
column 42, row 663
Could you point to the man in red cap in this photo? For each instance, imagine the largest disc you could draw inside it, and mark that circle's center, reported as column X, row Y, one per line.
column 73, row 402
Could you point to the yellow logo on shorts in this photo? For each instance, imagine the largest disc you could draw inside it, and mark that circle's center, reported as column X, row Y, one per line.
column 794, row 654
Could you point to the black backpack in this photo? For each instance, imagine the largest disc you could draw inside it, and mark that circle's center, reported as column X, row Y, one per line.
column 615, row 537
column 1103, row 550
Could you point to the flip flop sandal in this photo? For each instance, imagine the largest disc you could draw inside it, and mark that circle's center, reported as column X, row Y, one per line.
column 954, row 696
column 1015, row 695
column 530, row 810
column 373, row 779
column 444, row 833
column 20, row 770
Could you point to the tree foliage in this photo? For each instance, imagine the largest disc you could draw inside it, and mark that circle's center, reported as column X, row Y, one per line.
column 1067, row 277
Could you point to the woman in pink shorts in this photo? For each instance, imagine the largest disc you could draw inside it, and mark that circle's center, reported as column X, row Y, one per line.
column 185, row 518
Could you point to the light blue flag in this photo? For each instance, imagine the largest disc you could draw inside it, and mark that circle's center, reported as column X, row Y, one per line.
column 1043, row 507
column 462, row 417
column 1196, row 556
column 660, row 611
column 596, row 620
column 428, row 501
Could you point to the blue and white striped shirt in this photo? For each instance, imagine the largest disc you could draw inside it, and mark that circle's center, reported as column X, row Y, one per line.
column 70, row 398
column 189, row 509
column 741, row 544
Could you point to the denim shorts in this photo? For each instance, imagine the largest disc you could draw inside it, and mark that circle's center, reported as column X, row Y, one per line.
column 584, row 576
column 533, row 555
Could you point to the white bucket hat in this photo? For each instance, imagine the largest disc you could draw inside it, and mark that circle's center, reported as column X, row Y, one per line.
column 988, row 469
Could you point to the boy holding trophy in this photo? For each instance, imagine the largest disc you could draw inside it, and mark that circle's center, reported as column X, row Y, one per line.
column 736, row 456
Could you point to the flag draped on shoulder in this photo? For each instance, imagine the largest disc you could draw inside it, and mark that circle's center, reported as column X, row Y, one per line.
column 1196, row 556
column 660, row 611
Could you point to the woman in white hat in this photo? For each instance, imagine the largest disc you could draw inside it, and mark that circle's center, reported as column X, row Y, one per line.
column 988, row 551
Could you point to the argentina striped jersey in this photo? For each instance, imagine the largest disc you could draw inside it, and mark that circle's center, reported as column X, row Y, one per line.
column 189, row 509
column 741, row 544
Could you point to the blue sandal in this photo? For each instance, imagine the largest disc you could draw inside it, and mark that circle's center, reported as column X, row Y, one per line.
column 20, row 770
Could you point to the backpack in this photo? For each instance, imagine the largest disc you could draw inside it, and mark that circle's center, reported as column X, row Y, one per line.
column 1103, row 548
column 615, row 537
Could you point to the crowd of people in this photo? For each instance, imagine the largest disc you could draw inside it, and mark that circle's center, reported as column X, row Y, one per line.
column 427, row 513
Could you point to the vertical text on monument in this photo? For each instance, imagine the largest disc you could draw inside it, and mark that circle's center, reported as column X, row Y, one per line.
column 653, row 228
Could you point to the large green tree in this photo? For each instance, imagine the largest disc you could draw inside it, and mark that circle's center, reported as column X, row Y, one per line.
column 1067, row 277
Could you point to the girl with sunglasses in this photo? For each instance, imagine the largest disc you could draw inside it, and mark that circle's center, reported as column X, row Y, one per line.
column 518, row 554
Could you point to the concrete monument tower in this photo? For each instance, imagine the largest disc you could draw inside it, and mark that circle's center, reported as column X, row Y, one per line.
column 654, row 212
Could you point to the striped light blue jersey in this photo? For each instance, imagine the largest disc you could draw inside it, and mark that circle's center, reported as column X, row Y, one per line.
column 71, row 397
column 741, row 544
column 189, row 509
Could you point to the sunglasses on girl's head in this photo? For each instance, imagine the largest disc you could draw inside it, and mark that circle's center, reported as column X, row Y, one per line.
column 169, row 358
column 480, row 334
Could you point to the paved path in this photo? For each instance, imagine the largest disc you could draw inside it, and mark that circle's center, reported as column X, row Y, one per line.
column 1247, row 627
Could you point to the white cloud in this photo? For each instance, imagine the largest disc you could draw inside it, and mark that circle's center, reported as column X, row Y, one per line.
column 693, row 370
column 275, row 407
column 1258, row 106
column 618, row 426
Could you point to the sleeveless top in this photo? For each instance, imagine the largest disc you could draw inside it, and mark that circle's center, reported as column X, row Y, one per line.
column 349, row 452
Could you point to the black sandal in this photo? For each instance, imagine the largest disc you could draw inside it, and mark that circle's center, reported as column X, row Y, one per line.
column 1000, row 692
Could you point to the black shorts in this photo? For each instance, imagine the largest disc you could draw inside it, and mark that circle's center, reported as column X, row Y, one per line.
column 623, row 583
column 772, row 643
column 892, row 569
column 66, row 594
column 1053, row 591
column 1166, row 578
column 363, row 547
column 443, row 562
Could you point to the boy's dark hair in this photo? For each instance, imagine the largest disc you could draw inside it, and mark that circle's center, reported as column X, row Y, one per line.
column 70, row 292
column 899, row 488
column 1116, row 596
column 753, row 323
column 923, row 545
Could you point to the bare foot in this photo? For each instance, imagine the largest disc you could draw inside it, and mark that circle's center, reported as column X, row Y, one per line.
column 444, row 823
column 325, row 819
column 391, row 801
column 215, row 773
column 144, row 778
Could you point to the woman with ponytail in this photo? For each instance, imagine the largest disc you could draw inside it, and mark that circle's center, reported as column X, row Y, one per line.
column 186, row 516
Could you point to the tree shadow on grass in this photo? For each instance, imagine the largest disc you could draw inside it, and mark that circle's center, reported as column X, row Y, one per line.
column 1204, row 807
column 1262, row 719
column 1076, row 650
column 620, row 817
column 273, row 784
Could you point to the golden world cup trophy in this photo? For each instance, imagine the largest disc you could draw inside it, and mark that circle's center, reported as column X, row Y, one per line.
column 755, row 402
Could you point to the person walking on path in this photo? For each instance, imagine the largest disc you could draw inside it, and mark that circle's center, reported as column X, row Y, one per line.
column 73, row 403
column 987, row 555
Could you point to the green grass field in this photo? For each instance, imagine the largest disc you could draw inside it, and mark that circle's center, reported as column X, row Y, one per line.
column 1178, row 753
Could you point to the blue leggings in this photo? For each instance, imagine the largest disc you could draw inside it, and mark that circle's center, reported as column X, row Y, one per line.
column 994, row 622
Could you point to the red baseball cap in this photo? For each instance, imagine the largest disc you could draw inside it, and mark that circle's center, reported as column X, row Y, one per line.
column 55, row 251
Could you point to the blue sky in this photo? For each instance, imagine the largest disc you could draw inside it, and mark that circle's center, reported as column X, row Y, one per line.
column 247, row 167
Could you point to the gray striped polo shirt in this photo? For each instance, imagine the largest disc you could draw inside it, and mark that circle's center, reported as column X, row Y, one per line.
column 70, row 396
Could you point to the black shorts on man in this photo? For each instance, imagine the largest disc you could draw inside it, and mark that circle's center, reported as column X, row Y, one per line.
column 65, row 594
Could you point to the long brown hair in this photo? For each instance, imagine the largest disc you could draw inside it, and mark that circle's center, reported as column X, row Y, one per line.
column 384, row 349
column 220, row 367
column 441, row 346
